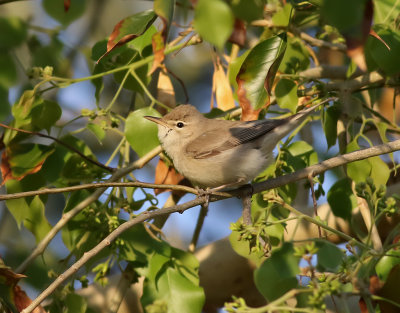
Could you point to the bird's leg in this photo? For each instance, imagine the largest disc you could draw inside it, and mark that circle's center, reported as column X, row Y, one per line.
column 204, row 193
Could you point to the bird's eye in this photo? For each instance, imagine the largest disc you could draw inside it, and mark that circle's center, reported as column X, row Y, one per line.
column 180, row 124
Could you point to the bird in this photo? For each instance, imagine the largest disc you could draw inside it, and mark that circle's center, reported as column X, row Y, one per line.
column 218, row 154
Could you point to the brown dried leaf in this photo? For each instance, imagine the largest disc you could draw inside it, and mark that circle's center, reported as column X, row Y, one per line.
column 166, row 175
column 222, row 88
column 22, row 300
column 248, row 112
column 374, row 34
column 67, row 4
column 238, row 35
column 6, row 170
column 128, row 29
column 158, row 44
column 165, row 90
column 355, row 42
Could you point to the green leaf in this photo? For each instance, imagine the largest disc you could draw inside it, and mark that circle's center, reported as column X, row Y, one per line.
column 234, row 68
column 140, row 247
column 141, row 133
column 386, row 263
column 75, row 303
column 360, row 170
column 26, row 158
column 282, row 17
column 296, row 57
column 36, row 220
column 302, row 154
column 126, row 57
column 5, row 109
column 258, row 70
column 165, row 10
column 385, row 59
column 242, row 248
column 213, row 20
column 131, row 27
column 329, row 257
column 341, row 198
column 331, row 117
column 97, row 130
column 248, row 10
column 45, row 114
column 51, row 55
column 55, row 8
column 277, row 275
column 286, row 94
column 380, row 171
column 342, row 14
column 29, row 211
column 386, row 11
column 8, row 71
column 143, row 41
column 13, row 32
column 176, row 291
column 76, row 168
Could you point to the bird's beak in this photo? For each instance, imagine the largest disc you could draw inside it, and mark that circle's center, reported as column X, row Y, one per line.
column 156, row 120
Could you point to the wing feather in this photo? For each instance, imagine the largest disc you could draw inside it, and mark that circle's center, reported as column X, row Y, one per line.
column 209, row 143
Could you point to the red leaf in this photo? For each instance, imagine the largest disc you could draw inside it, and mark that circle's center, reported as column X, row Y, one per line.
column 128, row 29
column 238, row 35
column 248, row 112
column 67, row 4
column 158, row 44
column 6, row 170
column 355, row 41
column 22, row 300
column 374, row 34
column 166, row 175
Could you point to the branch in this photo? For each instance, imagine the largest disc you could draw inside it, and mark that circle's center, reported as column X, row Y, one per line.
column 321, row 43
column 47, row 191
column 350, row 85
column 79, row 207
column 107, row 168
column 9, row 1
column 329, row 71
column 258, row 187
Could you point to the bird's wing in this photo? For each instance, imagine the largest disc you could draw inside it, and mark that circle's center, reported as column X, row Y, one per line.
column 210, row 144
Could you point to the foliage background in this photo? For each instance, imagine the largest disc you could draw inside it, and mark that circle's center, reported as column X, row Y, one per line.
column 48, row 55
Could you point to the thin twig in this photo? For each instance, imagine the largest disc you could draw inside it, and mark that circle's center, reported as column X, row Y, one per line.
column 258, row 187
column 322, row 44
column 48, row 191
column 315, row 204
column 69, row 147
column 199, row 225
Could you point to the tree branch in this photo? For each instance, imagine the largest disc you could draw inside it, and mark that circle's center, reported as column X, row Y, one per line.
column 258, row 187
column 351, row 85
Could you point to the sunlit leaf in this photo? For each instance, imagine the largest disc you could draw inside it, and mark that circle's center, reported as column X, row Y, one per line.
column 359, row 170
column 286, row 94
column 129, row 28
column 257, row 75
column 141, row 133
column 214, row 21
